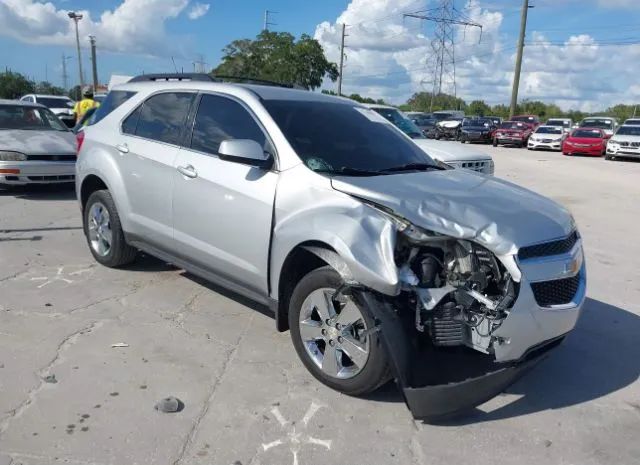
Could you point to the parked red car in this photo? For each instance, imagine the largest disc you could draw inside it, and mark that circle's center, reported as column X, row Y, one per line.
column 532, row 120
column 583, row 141
column 512, row 133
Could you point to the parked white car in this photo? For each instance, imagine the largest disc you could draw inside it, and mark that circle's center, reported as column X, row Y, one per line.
column 565, row 123
column 547, row 137
column 625, row 143
column 60, row 105
column 606, row 123
column 632, row 122
column 451, row 153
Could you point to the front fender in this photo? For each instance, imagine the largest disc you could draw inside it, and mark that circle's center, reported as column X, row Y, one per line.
column 309, row 210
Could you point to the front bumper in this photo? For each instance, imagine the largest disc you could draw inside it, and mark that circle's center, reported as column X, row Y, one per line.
column 476, row 137
column 553, row 145
column 438, row 383
column 575, row 150
column 506, row 140
column 37, row 172
column 631, row 152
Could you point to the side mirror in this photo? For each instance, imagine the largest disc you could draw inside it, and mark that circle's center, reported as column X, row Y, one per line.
column 244, row 151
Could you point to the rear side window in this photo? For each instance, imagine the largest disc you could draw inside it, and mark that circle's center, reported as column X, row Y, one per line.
column 219, row 119
column 114, row 99
column 162, row 117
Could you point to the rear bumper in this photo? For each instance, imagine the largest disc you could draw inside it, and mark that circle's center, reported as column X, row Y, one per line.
column 37, row 172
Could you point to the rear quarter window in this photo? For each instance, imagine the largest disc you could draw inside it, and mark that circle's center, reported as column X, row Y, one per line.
column 113, row 100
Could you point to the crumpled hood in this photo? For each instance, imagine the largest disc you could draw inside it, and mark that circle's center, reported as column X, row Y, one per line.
column 38, row 142
column 494, row 213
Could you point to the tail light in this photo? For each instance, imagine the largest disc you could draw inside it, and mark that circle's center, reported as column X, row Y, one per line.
column 79, row 141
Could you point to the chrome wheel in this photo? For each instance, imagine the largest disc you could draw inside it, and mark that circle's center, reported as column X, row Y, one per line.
column 333, row 334
column 100, row 234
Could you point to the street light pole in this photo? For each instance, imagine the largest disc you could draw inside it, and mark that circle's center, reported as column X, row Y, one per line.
column 76, row 18
column 94, row 63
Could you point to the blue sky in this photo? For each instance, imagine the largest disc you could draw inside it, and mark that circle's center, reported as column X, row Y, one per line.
column 569, row 61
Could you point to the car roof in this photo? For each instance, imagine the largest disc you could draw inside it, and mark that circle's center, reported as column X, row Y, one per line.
column 600, row 117
column 20, row 103
column 50, row 96
column 548, row 126
column 265, row 92
column 382, row 107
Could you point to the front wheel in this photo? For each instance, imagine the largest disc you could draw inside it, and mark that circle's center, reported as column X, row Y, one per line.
column 332, row 337
column 104, row 232
column 495, row 142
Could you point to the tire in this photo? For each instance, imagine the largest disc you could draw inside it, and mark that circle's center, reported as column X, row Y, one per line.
column 353, row 379
column 118, row 252
column 495, row 142
column 608, row 157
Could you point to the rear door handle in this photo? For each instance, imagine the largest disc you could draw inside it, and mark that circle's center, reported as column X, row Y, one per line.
column 188, row 171
column 122, row 148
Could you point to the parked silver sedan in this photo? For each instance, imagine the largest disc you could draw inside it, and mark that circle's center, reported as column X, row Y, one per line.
column 35, row 146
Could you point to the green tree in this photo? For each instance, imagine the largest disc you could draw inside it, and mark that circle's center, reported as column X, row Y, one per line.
column 421, row 101
column 47, row 88
column 478, row 107
column 14, row 85
column 277, row 56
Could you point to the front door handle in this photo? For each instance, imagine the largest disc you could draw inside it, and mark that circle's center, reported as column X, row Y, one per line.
column 188, row 171
column 122, row 148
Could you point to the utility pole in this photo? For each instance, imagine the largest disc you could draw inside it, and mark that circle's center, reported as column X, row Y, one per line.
column 446, row 17
column 94, row 63
column 65, row 76
column 76, row 18
column 516, row 75
column 268, row 23
column 344, row 27
column 199, row 64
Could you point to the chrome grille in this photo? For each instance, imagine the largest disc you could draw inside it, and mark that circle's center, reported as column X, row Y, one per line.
column 52, row 157
column 556, row 292
column 549, row 248
column 479, row 166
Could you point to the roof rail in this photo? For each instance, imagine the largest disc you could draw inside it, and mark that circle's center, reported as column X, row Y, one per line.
column 199, row 77
column 203, row 77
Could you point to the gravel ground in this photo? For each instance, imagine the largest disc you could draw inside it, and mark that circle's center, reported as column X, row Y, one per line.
column 68, row 396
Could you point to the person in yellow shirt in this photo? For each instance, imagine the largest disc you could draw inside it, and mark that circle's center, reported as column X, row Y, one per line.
column 85, row 104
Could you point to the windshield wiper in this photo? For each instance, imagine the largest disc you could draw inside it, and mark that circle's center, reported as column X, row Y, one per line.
column 351, row 172
column 413, row 167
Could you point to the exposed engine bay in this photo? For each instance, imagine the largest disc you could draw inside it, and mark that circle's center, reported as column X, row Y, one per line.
column 460, row 292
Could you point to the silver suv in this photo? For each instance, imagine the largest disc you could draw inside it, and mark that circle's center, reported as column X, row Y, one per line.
column 381, row 262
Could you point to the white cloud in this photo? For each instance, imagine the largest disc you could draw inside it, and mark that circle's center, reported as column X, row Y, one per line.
column 134, row 26
column 198, row 10
column 388, row 56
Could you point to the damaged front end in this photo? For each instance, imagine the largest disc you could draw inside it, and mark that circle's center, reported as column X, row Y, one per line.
column 441, row 329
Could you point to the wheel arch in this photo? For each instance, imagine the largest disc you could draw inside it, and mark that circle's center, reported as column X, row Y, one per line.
column 90, row 184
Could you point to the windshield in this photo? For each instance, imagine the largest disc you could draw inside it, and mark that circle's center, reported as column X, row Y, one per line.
column 629, row 131
column 442, row 116
column 402, row 122
column 343, row 138
column 587, row 133
column 477, row 122
column 548, row 130
column 635, row 122
column 512, row 125
column 559, row 122
column 597, row 123
column 53, row 102
column 29, row 118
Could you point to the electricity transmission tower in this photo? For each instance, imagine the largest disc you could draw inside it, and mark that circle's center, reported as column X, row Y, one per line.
column 442, row 57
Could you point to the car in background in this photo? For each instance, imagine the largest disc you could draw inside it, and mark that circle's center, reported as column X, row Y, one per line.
column 585, row 141
column 450, row 128
column 565, row 123
column 450, row 153
column 425, row 121
column 60, row 105
column 35, row 146
column 625, row 143
column 607, row 124
column 632, row 122
column 532, row 120
column 497, row 120
column 477, row 129
column 546, row 137
column 512, row 133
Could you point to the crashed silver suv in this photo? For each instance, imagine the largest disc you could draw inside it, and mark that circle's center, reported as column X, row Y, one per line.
column 381, row 262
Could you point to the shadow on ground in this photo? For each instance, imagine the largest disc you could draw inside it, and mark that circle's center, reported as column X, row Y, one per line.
column 64, row 191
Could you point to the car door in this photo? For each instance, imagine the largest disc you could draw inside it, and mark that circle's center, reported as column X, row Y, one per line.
column 147, row 148
column 222, row 210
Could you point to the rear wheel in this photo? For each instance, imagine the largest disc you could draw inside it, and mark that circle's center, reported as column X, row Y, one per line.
column 495, row 142
column 330, row 336
column 104, row 232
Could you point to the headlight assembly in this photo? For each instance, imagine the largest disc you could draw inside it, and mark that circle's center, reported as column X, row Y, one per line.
column 12, row 156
